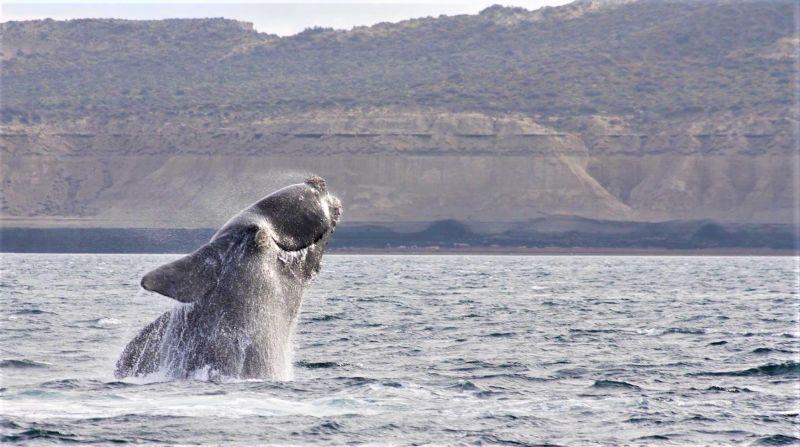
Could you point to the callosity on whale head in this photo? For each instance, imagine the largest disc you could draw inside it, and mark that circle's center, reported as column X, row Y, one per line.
column 242, row 291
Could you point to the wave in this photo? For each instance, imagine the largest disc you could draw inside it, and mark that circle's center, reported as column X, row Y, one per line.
column 318, row 365
column 22, row 364
column 501, row 334
column 653, row 438
column 790, row 369
column 770, row 350
column 63, row 384
column 777, row 440
column 496, row 440
column 39, row 434
column 593, row 331
column 325, row 318
column 104, row 322
column 54, row 436
column 732, row 389
column 615, row 384
column 358, row 381
column 8, row 423
column 326, row 428
column 508, row 376
column 31, row 312
column 465, row 385
column 671, row 330
column 75, row 384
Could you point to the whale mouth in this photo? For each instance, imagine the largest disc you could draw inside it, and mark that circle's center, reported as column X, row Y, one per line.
column 290, row 249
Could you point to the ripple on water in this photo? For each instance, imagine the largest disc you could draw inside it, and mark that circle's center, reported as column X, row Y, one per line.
column 464, row 385
column 78, row 384
column 672, row 331
column 777, row 440
column 321, row 318
column 318, row 365
column 22, row 364
column 32, row 311
column 653, row 438
column 771, row 350
column 788, row 369
column 64, row 384
column 50, row 435
column 105, row 322
column 34, row 434
column 730, row 389
column 614, row 384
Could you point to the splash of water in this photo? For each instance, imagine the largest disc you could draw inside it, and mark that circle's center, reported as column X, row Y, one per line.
column 252, row 339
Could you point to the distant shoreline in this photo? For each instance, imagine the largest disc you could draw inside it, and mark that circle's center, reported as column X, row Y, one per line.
column 443, row 238
column 494, row 251
column 561, row 251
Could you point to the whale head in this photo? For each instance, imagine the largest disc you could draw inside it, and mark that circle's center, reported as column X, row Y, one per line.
column 279, row 239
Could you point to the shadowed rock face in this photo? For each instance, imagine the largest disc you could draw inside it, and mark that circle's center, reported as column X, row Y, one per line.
column 240, row 293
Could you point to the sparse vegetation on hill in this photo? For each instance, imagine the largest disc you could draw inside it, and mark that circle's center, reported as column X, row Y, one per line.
column 648, row 58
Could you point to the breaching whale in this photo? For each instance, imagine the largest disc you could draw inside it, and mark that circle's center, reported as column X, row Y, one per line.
column 239, row 294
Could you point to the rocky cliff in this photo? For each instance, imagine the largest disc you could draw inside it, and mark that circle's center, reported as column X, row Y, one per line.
column 641, row 110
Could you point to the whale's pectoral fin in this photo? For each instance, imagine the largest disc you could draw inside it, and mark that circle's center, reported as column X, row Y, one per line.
column 190, row 277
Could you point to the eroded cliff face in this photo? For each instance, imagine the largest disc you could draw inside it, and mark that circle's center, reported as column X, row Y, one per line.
column 398, row 166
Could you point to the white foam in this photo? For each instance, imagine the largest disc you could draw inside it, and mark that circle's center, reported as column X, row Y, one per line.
column 72, row 406
column 269, row 332
column 104, row 322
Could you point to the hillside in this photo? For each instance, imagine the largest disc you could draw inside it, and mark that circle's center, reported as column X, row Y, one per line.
column 640, row 111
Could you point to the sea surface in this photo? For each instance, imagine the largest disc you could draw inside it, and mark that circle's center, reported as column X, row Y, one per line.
column 427, row 350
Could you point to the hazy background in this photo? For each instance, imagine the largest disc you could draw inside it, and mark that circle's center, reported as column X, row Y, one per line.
column 281, row 18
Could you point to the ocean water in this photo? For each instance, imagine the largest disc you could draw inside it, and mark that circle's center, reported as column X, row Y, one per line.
column 427, row 350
